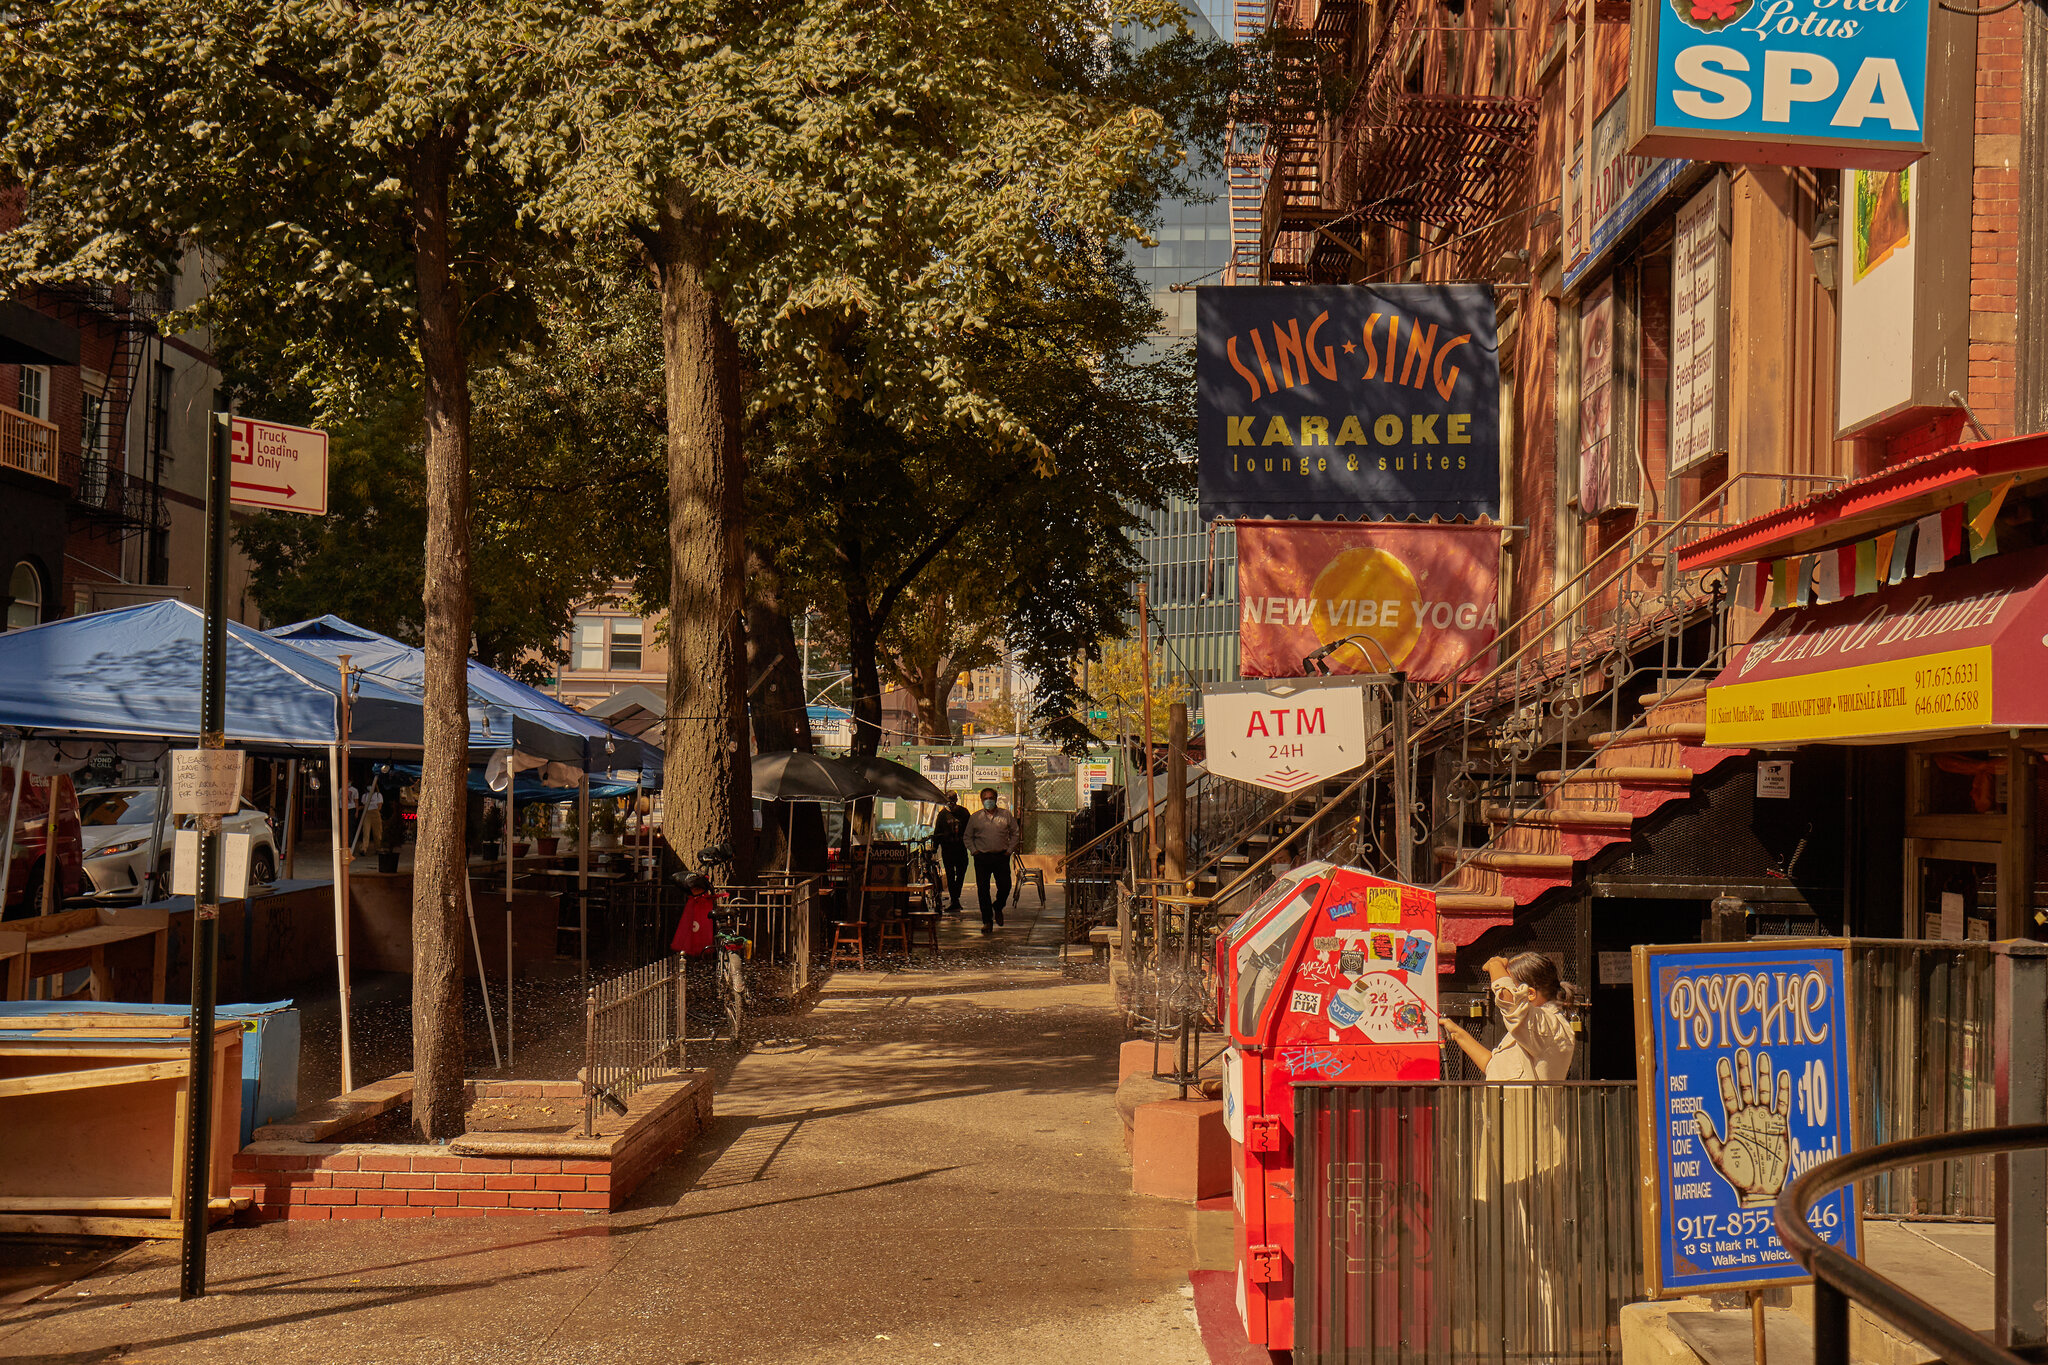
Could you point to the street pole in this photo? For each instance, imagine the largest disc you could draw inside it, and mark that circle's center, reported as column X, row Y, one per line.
column 1177, row 793
column 198, row 1186
column 1145, row 739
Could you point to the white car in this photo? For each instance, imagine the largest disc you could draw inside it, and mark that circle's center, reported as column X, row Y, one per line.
column 118, row 823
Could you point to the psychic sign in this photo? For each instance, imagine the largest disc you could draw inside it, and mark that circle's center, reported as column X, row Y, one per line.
column 1742, row 1076
column 1373, row 402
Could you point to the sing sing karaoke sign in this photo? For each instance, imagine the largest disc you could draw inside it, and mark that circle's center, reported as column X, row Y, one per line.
column 1744, row 1087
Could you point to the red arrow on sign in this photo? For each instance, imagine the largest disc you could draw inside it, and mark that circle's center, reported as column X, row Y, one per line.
column 267, row 488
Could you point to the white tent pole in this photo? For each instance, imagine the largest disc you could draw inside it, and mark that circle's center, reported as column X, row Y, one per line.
column 338, row 802
column 583, row 872
column 291, row 816
column 511, row 778
column 13, row 818
column 483, row 983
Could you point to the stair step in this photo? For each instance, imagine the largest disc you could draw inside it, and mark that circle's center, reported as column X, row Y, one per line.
column 1691, row 691
column 1618, row 775
column 1235, row 860
column 1469, row 901
column 1508, row 862
column 1690, row 732
column 1552, row 817
column 1260, row 838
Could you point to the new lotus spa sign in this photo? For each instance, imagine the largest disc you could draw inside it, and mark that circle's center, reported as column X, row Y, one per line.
column 1784, row 82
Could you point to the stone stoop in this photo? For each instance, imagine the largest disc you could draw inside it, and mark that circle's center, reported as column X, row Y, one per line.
column 1540, row 849
column 476, row 1175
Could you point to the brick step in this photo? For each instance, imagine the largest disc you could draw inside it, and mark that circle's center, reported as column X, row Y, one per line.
column 1692, row 691
column 1645, row 775
column 1552, row 817
column 1507, row 862
column 1685, row 731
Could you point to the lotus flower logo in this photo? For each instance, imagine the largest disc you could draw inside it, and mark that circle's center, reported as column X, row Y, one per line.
column 1711, row 16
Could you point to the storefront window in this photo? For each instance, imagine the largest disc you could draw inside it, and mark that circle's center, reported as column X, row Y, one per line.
column 1958, row 898
column 1968, row 782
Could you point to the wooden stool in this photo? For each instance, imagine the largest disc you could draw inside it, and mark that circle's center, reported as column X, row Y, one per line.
column 849, row 944
column 923, row 923
column 893, row 929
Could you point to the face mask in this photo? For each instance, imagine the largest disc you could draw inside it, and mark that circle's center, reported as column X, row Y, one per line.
column 989, row 803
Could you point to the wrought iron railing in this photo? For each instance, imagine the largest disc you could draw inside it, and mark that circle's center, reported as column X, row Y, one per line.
column 1464, row 1221
column 632, row 1033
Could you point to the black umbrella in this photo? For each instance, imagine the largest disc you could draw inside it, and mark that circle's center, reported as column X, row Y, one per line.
column 884, row 778
column 795, row 776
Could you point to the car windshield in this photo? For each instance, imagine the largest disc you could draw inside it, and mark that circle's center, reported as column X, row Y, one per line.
column 116, row 807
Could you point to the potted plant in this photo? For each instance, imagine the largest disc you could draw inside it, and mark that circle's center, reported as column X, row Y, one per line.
column 493, row 830
column 536, row 824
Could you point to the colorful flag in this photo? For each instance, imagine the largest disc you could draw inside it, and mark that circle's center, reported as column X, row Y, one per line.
column 1745, row 586
column 1781, row 585
column 1983, row 521
column 1927, row 556
column 1894, row 550
column 1866, row 567
column 1827, row 576
column 1951, row 532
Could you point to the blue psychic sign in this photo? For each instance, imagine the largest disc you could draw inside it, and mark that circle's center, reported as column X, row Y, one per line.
column 1372, row 402
column 1742, row 1078
column 1787, row 82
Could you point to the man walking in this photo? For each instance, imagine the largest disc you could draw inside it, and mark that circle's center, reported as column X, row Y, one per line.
column 949, row 828
column 992, row 839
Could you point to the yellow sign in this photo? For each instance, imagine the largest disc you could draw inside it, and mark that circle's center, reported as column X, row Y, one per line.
column 1892, row 697
column 1383, row 905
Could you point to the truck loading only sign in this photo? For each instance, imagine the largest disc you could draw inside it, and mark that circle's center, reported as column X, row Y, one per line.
column 1374, row 402
column 1742, row 1078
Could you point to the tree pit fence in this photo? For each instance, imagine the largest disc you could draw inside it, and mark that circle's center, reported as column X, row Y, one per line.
column 632, row 1034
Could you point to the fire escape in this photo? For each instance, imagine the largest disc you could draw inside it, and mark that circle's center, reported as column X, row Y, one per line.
column 1404, row 123
column 106, row 498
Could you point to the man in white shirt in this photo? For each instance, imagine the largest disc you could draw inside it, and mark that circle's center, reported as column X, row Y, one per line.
column 992, row 837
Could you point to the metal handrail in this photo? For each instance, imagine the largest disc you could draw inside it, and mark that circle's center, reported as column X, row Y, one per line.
column 1499, row 670
column 1839, row 1277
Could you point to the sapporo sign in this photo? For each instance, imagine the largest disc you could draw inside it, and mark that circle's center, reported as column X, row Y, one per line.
column 279, row 467
column 1374, row 402
column 1742, row 1078
column 1285, row 734
column 1784, row 82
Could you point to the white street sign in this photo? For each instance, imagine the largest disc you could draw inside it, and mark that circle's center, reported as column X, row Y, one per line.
column 279, row 467
column 1284, row 735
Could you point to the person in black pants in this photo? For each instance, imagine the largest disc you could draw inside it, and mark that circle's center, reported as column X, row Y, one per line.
column 992, row 839
column 949, row 829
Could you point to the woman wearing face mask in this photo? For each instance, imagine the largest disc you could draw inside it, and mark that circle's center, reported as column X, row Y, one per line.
column 1531, row 999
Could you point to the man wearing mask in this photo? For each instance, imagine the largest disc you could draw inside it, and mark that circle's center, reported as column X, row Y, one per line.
column 992, row 839
column 949, row 829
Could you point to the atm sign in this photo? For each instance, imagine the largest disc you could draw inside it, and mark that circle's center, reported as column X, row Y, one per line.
column 1284, row 742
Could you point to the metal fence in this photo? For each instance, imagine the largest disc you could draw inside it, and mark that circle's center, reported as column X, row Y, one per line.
column 1465, row 1221
column 632, row 1032
column 1922, row 1028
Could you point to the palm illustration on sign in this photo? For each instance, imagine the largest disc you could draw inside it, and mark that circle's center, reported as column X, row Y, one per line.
column 1757, row 1150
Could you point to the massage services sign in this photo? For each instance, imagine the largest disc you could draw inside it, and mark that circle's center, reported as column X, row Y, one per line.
column 1783, row 82
column 1371, row 402
column 1742, row 1070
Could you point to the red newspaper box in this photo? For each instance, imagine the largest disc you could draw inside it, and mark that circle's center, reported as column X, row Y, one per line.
column 1331, row 976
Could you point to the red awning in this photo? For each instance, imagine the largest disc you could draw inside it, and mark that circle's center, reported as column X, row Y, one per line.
column 1870, row 506
column 1958, row 651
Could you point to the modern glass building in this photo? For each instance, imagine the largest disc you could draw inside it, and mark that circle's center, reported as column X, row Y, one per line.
column 1194, row 247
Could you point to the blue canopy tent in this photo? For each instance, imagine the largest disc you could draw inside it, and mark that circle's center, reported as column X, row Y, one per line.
column 134, row 673
column 543, row 732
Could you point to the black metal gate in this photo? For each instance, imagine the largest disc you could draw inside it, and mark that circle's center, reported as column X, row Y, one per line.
column 1465, row 1221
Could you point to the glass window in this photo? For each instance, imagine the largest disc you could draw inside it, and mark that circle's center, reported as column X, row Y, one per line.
column 92, row 428
column 32, row 392
column 586, row 645
column 116, row 807
column 24, row 597
column 626, row 642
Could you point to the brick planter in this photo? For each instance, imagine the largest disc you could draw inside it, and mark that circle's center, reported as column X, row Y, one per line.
column 300, row 1171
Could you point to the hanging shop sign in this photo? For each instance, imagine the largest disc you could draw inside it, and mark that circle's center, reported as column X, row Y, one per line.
column 1619, row 190
column 1285, row 734
column 1348, row 401
column 1420, row 600
column 1699, row 328
column 1742, row 1078
column 1782, row 82
column 1603, row 485
column 1954, row 651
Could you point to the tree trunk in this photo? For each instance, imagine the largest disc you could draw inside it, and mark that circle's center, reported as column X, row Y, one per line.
column 439, row 862
column 774, row 664
column 934, row 725
column 707, row 788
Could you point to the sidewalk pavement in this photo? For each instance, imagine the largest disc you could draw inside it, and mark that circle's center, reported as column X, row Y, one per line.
column 926, row 1167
